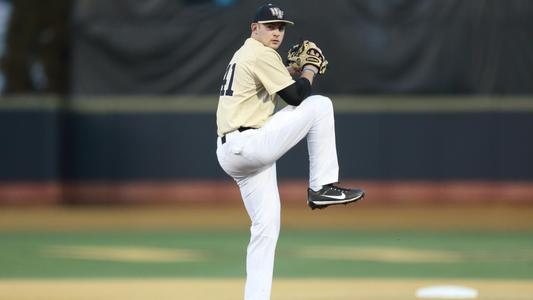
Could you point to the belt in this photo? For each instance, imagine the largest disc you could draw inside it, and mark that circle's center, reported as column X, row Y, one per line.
column 240, row 129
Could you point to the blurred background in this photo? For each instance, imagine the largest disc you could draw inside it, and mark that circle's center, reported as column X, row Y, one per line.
column 114, row 101
column 108, row 139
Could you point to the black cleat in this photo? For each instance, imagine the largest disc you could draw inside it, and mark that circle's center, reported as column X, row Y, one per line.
column 332, row 195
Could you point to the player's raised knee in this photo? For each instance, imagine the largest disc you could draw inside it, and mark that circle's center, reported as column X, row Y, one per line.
column 322, row 103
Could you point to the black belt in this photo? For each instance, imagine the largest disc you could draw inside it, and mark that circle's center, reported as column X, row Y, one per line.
column 240, row 129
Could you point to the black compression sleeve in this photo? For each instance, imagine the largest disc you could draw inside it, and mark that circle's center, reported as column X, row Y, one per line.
column 295, row 93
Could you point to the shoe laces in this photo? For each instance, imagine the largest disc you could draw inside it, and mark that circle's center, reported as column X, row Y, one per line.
column 337, row 188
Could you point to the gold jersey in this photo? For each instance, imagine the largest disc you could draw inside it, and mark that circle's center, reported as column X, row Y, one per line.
column 248, row 92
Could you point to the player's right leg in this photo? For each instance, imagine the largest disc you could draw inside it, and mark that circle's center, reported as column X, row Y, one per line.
column 261, row 199
column 258, row 186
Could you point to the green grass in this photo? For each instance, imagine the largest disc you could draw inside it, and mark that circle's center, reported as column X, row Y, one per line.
column 484, row 255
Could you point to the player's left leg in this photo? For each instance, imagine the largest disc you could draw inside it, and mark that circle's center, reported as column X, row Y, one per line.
column 312, row 118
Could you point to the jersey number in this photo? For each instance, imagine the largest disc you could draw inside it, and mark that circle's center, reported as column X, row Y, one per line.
column 228, row 91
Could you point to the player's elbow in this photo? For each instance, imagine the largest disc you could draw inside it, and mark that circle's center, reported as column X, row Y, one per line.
column 295, row 93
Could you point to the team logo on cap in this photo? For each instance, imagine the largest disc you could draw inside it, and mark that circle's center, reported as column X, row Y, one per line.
column 276, row 12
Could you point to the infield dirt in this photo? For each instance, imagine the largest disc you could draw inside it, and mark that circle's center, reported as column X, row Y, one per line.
column 231, row 289
column 498, row 217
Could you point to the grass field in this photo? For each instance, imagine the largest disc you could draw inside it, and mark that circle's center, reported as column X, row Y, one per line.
column 353, row 252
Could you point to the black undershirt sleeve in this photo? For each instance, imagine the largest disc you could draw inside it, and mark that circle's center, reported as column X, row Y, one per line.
column 295, row 93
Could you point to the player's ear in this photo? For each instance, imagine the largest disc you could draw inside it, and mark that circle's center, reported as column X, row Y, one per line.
column 254, row 27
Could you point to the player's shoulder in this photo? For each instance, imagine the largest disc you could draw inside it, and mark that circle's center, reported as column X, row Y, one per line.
column 262, row 51
column 253, row 50
column 270, row 53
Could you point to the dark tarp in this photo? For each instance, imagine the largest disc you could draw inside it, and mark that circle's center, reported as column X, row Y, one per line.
column 373, row 46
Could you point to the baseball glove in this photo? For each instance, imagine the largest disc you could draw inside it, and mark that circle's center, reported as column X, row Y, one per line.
column 307, row 53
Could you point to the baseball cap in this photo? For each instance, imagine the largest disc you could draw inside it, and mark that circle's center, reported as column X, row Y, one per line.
column 270, row 13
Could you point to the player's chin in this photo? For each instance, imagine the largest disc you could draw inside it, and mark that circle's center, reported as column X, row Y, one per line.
column 274, row 45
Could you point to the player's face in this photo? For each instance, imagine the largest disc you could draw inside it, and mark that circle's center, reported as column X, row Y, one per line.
column 269, row 34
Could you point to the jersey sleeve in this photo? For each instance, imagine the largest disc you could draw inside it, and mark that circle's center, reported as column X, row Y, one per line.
column 270, row 70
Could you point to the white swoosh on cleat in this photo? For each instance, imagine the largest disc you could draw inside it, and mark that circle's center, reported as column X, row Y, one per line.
column 341, row 197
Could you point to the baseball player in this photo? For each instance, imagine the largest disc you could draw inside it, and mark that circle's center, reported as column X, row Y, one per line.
column 251, row 137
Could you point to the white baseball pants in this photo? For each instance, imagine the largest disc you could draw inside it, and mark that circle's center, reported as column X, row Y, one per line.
column 250, row 158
